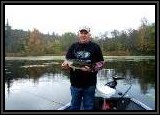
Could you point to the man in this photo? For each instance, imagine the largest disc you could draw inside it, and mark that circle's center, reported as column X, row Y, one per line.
column 83, row 80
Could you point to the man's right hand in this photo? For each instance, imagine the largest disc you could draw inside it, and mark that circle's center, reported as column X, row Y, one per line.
column 65, row 65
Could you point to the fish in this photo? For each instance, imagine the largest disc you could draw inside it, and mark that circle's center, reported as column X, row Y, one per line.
column 78, row 64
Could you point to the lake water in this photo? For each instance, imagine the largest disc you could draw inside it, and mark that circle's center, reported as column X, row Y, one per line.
column 43, row 85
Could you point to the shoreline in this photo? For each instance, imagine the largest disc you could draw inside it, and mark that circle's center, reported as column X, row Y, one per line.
column 63, row 57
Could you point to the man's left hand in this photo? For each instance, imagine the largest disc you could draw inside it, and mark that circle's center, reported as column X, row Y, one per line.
column 86, row 68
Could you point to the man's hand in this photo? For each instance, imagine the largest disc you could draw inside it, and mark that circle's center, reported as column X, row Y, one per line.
column 65, row 65
column 86, row 68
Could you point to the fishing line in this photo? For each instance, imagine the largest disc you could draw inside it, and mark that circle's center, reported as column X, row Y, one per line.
column 47, row 99
column 43, row 97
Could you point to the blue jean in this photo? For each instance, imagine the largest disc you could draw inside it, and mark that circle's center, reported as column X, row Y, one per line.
column 84, row 96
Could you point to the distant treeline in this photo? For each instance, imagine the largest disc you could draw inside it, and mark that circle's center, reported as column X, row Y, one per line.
column 126, row 42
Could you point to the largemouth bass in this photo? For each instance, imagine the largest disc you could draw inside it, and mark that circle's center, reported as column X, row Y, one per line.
column 77, row 64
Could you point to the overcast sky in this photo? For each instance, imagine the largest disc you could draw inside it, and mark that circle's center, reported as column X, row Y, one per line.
column 68, row 18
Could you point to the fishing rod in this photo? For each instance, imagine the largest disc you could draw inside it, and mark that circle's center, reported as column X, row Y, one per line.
column 121, row 98
column 126, row 91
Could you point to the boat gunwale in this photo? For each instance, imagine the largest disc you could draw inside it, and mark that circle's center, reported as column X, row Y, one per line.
column 138, row 103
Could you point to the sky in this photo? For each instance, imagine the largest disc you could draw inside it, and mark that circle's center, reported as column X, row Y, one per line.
column 68, row 18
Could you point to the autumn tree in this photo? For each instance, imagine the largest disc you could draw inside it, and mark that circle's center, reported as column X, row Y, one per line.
column 142, row 40
column 34, row 43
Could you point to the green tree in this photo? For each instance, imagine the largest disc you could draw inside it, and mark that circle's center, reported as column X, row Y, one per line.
column 67, row 39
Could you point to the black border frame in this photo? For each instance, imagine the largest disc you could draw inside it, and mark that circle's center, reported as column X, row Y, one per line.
column 152, row 2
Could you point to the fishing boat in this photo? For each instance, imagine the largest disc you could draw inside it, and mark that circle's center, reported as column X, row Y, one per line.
column 107, row 98
column 114, row 104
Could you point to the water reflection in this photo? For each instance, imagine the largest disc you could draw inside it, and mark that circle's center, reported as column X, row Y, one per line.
column 44, row 85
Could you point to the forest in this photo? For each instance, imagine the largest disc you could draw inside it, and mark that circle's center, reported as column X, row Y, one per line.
column 130, row 42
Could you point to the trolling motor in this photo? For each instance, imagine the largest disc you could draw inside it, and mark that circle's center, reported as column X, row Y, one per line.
column 107, row 91
column 113, row 84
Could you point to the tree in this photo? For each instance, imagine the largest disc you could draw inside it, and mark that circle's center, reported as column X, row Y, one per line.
column 67, row 39
column 142, row 36
column 34, row 43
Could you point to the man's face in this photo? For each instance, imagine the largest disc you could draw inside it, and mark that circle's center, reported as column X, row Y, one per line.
column 84, row 36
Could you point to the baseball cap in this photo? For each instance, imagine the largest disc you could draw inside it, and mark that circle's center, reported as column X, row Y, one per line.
column 86, row 28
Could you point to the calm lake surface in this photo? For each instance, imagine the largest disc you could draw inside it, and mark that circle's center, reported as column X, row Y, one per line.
column 43, row 85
